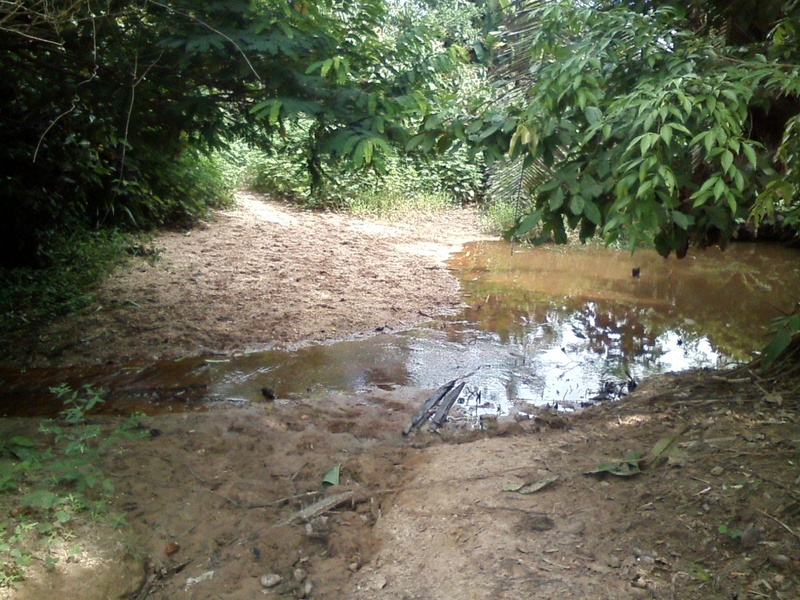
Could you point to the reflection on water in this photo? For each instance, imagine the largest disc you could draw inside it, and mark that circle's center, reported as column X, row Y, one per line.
column 574, row 316
column 543, row 325
column 727, row 297
column 548, row 325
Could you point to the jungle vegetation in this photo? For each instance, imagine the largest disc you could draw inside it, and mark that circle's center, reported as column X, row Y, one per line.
column 649, row 121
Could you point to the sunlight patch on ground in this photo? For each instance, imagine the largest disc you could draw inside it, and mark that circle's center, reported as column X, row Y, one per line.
column 265, row 211
column 629, row 421
column 439, row 252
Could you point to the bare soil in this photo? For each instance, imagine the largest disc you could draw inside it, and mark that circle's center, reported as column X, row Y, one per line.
column 228, row 502
column 263, row 275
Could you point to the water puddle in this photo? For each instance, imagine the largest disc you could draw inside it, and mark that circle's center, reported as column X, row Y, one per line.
column 543, row 326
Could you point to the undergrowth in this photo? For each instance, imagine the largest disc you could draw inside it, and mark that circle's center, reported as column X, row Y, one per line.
column 72, row 268
column 47, row 487
column 397, row 183
column 499, row 216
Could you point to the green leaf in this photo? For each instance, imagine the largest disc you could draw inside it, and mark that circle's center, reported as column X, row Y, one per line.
column 697, row 572
column 620, row 469
column 332, row 476
column 415, row 141
column 731, row 201
column 556, row 199
column 529, row 487
column 667, row 177
column 648, row 139
column 274, row 113
column 18, row 440
column 592, row 212
column 726, row 161
column 528, row 223
column 750, row 153
column 359, row 155
column 40, row 499
column 666, row 134
column 719, row 188
column 576, row 205
column 681, row 220
column 663, row 447
column 776, row 346
column 593, row 115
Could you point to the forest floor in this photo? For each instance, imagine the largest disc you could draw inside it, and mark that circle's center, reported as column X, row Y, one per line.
column 228, row 502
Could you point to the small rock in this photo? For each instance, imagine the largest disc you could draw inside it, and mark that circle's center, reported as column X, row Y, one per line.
column 575, row 528
column 308, row 587
column 539, row 523
column 780, row 560
column 377, row 583
column 717, row 471
column 270, row 580
column 299, row 575
column 750, row 537
column 751, row 436
column 622, row 527
column 613, row 561
column 199, row 579
column 172, row 548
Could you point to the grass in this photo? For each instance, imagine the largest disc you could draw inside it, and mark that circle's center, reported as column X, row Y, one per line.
column 498, row 217
column 48, row 488
column 73, row 270
column 393, row 204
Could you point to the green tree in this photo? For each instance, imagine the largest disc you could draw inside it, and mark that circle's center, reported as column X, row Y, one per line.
column 106, row 105
column 663, row 121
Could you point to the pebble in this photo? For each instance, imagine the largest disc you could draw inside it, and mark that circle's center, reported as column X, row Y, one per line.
column 613, row 561
column 717, row 471
column 299, row 575
column 576, row 527
column 540, row 522
column 780, row 560
column 270, row 580
column 377, row 583
column 751, row 537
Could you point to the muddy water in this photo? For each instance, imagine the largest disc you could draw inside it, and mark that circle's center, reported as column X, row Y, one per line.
column 542, row 326
column 577, row 316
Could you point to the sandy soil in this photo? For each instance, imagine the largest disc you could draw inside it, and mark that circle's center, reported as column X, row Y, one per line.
column 229, row 502
column 263, row 275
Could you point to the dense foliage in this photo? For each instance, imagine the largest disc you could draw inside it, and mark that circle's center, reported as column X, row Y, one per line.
column 669, row 121
column 666, row 121
column 108, row 105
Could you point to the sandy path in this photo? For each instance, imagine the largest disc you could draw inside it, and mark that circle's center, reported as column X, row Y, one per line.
column 263, row 275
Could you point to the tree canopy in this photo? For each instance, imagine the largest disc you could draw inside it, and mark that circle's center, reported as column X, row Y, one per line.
column 655, row 120
column 105, row 104
column 650, row 120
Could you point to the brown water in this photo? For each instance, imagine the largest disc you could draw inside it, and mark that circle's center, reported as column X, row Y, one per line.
column 726, row 297
column 543, row 325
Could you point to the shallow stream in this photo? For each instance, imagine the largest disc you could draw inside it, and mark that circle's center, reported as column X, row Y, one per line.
column 548, row 325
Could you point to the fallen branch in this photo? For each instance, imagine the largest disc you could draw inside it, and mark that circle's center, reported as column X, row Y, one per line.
column 156, row 576
column 316, row 509
column 781, row 523
column 425, row 412
column 445, row 405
